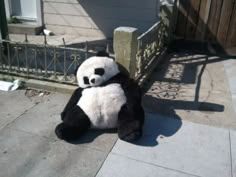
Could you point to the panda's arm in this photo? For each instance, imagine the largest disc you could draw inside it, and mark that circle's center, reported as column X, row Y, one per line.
column 72, row 102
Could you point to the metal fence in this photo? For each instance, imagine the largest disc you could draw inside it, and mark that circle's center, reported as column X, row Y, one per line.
column 41, row 61
column 150, row 44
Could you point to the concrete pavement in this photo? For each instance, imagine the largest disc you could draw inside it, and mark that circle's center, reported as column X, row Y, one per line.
column 189, row 130
column 197, row 88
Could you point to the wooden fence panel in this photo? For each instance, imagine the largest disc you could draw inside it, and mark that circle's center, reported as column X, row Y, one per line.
column 207, row 20
column 182, row 17
column 231, row 37
column 213, row 20
column 202, row 19
column 192, row 18
column 224, row 21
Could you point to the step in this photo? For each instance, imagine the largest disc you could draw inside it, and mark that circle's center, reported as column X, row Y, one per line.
column 24, row 28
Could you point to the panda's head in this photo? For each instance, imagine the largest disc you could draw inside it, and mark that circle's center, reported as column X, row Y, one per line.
column 95, row 71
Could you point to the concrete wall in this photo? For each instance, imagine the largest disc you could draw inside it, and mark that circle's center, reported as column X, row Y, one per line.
column 98, row 17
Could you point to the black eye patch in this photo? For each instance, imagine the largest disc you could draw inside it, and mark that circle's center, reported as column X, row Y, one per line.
column 99, row 71
column 86, row 80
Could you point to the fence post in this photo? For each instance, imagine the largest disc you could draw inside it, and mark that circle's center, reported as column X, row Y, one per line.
column 125, row 47
column 168, row 15
column 3, row 21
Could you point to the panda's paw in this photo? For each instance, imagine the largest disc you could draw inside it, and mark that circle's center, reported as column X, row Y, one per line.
column 130, row 136
column 59, row 131
column 65, row 132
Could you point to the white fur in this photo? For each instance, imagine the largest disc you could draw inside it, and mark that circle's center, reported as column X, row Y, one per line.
column 102, row 105
column 88, row 66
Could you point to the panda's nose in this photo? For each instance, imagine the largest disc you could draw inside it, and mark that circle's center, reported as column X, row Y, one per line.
column 92, row 80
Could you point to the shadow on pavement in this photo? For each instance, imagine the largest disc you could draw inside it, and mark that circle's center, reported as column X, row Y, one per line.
column 91, row 135
column 175, row 72
column 158, row 127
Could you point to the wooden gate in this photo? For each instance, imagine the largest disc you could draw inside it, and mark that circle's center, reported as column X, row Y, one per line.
column 213, row 21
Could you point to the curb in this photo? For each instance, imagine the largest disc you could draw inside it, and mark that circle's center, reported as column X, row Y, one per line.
column 39, row 84
column 50, row 86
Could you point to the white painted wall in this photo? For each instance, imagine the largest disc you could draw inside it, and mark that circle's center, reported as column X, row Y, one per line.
column 98, row 17
column 24, row 8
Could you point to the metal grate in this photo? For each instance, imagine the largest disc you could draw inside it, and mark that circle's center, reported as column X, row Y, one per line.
column 41, row 61
column 150, row 45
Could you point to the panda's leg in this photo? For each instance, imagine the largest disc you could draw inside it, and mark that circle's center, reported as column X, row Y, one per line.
column 74, row 125
column 130, row 123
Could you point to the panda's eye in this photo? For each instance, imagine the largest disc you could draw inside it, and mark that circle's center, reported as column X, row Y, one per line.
column 99, row 71
column 86, row 80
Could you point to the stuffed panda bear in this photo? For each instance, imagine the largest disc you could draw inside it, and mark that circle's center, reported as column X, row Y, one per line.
column 105, row 99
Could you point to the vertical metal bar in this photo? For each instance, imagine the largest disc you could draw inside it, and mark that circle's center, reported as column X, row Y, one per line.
column 64, row 69
column 138, row 57
column 26, row 38
column 107, row 47
column 45, row 56
column 75, row 61
column 54, row 62
column 86, row 49
column 8, row 57
column 45, row 40
column 1, row 60
column 1, row 57
column 26, row 60
column 17, row 58
column 35, row 61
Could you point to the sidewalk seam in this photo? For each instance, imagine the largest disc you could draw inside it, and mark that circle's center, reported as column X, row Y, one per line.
column 106, row 157
column 167, row 168
column 18, row 117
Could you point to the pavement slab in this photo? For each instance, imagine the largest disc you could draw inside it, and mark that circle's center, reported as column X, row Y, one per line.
column 119, row 166
column 230, row 70
column 192, row 148
column 24, row 154
column 234, row 101
column 12, row 105
column 233, row 152
column 43, row 118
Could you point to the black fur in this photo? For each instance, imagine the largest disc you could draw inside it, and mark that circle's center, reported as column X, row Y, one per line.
column 131, row 115
column 74, row 121
column 102, row 54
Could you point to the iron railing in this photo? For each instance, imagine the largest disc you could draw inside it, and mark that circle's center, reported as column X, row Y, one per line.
column 41, row 61
column 150, row 45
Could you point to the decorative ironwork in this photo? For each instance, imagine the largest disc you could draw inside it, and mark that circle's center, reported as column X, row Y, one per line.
column 41, row 61
column 164, row 90
column 150, row 45
column 170, row 88
column 174, row 72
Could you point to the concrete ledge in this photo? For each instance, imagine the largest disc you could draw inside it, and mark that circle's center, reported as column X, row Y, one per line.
column 39, row 84
column 24, row 29
column 50, row 86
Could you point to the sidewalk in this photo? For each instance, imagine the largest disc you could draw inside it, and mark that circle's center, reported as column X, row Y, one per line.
column 189, row 130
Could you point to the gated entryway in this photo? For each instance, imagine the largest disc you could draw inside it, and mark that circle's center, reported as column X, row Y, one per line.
column 208, row 20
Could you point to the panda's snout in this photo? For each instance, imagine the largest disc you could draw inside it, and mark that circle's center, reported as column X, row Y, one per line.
column 92, row 80
column 95, row 80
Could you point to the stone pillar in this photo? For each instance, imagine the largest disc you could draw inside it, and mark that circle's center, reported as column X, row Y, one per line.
column 125, row 47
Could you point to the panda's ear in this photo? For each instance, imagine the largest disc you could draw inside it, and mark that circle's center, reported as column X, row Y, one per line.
column 102, row 54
